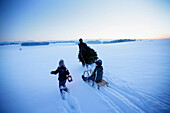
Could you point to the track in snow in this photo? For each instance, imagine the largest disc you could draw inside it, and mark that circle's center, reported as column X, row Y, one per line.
column 121, row 98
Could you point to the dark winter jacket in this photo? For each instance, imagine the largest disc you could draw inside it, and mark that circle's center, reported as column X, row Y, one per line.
column 82, row 47
column 97, row 73
column 63, row 72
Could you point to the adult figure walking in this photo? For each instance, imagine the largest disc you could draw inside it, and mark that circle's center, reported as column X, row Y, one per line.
column 82, row 50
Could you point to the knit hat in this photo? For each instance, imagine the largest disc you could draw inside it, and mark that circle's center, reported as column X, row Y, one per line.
column 99, row 62
column 61, row 63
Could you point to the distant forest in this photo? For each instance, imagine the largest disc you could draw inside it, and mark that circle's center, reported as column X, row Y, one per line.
column 37, row 43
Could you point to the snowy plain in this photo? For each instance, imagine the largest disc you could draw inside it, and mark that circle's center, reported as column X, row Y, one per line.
column 138, row 74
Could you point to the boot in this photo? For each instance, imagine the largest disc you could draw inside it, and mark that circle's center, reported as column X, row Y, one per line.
column 83, row 78
column 66, row 90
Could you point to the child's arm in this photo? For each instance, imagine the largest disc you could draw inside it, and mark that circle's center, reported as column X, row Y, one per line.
column 67, row 72
column 55, row 72
column 93, row 74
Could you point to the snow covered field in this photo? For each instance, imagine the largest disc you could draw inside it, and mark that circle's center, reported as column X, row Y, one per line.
column 138, row 74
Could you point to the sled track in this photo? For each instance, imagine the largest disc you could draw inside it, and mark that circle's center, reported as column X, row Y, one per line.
column 121, row 98
column 107, row 100
column 115, row 100
column 136, row 99
column 110, row 102
column 120, row 101
column 126, row 101
column 139, row 100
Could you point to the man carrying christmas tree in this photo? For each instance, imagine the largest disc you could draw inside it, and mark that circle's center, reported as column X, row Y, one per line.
column 82, row 50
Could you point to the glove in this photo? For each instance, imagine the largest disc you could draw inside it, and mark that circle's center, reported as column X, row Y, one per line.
column 51, row 72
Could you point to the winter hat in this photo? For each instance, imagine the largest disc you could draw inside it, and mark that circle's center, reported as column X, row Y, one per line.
column 61, row 63
column 99, row 62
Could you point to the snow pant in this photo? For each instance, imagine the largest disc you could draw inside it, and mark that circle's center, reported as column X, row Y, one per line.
column 62, row 86
column 89, row 78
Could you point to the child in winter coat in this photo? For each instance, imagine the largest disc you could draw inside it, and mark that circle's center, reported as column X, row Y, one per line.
column 63, row 75
column 97, row 74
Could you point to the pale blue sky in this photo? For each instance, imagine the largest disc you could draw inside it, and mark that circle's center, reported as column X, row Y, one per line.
column 22, row 20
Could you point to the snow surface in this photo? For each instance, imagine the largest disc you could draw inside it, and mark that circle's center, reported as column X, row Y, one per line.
column 138, row 74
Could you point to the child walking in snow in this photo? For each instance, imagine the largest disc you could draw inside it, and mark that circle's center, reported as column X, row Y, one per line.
column 97, row 74
column 63, row 75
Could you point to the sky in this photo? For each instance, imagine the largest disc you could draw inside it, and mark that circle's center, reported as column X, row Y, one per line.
column 42, row 20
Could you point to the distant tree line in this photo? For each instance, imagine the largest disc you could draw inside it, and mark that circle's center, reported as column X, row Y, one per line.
column 34, row 43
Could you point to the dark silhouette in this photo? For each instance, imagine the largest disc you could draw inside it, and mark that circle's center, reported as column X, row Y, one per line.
column 63, row 76
column 82, row 50
column 97, row 74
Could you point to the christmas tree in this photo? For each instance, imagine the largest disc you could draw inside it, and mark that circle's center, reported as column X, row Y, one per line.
column 89, row 56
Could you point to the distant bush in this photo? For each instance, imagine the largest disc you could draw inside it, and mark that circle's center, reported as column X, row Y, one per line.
column 94, row 42
column 9, row 43
column 34, row 43
column 119, row 41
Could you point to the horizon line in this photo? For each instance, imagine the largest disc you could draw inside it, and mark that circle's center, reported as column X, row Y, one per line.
column 88, row 39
